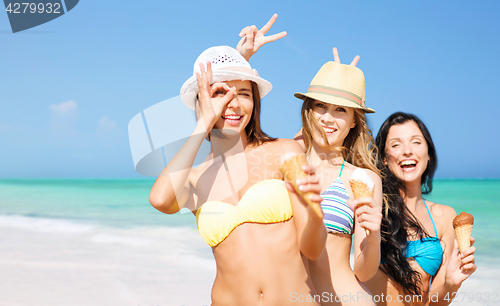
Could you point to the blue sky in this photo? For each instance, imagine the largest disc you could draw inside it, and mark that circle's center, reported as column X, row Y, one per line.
column 68, row 88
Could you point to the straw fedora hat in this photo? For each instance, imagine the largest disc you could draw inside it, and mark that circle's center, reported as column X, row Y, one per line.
column 227, row 65
column 338, row 84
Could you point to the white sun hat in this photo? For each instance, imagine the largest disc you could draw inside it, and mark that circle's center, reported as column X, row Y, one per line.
column 227, row 65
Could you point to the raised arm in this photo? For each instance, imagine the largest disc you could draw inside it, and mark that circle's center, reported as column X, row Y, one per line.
column 455, row 267
column 172, row 189
column 367, row 232
column 252, row 38
column 311, row 230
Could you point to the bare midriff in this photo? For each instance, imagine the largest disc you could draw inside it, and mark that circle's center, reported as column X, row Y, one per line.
column 333, row 276
column 260, row 264
column 393, row 292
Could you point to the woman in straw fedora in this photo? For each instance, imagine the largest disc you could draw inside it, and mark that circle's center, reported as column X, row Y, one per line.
column 337, row 140
column 256, row 227
column 420, row 259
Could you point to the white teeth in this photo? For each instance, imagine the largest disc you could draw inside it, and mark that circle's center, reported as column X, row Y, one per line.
column 408, row 163
column 232, row 117
column 328, row 130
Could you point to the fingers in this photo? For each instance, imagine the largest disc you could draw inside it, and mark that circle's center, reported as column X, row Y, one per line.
column 469, row 269
column 275, row 37
column 229, row 95
column 310, row 191
column 368, row 217
column 206, row 75
column 469, row 260
column 472, row 240
column 355, row 61
column 202, row 78
column 251, row 32
column 336, row 57
column 315, row 198
column 470, row 251
column 243, row 31
column 363, row 201
column 308, row 169
column 241, row 43
column 309, row 185
column 269, row 24
column 219, row 87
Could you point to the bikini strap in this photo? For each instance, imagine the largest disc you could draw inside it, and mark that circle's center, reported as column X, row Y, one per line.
column 341, row 168
column 433, row 224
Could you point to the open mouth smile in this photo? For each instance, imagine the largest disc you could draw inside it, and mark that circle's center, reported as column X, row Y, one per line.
column 328, row 130
column 408, row 165
column 232, row 119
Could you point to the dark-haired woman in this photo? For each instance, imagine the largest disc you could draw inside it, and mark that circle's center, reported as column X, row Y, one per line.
column 420, row 259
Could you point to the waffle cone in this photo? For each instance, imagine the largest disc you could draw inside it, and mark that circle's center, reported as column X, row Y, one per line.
column 360, row 190
column 463, row 233
column 291, row 169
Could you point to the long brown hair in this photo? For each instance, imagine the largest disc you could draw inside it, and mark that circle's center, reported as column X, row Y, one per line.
column 358, row 147
column 254, row 132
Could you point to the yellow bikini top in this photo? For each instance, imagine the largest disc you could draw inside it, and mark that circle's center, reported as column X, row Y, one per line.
column 267, row 201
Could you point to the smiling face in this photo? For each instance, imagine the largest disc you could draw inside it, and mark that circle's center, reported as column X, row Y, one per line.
column 406, row 152
column 238, row 112
column 336, row 121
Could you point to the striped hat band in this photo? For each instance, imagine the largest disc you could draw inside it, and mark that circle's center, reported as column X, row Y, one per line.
column 335, row 92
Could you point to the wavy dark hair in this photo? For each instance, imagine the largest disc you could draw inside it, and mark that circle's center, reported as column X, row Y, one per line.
column 398, row 221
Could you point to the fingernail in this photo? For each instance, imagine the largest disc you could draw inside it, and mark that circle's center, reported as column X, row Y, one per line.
column 301, row 188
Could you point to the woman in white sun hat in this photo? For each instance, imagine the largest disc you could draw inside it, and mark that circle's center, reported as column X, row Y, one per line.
column 256, row 225
column 337, row 141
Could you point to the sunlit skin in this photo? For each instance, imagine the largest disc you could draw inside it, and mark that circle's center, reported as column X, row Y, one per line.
column 335, row 120
column 253, row 261
column 407, row 152
column 237, row 113
column 407, row 156
column 331, row 272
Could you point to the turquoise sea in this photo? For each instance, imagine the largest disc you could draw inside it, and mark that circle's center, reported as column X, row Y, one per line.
column 117, row 212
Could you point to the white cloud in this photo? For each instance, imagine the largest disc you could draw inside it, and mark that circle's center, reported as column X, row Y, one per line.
column 106, row 125
column 65, row 108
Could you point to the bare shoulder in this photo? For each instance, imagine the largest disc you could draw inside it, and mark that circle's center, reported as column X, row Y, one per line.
column 443, row 216
column 299, row 138
column 441, row 211
column 284, row 145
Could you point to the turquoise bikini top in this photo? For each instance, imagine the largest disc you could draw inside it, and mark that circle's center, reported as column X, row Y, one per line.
column 427, row 251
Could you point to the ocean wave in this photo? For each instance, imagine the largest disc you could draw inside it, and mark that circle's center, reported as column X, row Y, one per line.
column 43, row 224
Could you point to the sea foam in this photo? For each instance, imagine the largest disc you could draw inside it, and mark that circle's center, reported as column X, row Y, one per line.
column 43, row 224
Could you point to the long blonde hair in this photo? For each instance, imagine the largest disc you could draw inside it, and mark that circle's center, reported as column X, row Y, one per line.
column 359, row 146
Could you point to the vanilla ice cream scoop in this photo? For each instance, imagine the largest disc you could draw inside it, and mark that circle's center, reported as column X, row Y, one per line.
column 361, row 184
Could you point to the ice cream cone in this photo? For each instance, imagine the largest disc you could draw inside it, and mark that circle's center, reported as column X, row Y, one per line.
column 360, row 190
column 463, row 224
column 362, row 187
column 291, row 169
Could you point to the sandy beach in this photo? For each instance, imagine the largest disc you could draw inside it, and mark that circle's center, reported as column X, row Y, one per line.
column 94, row 242
column 52, row 262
